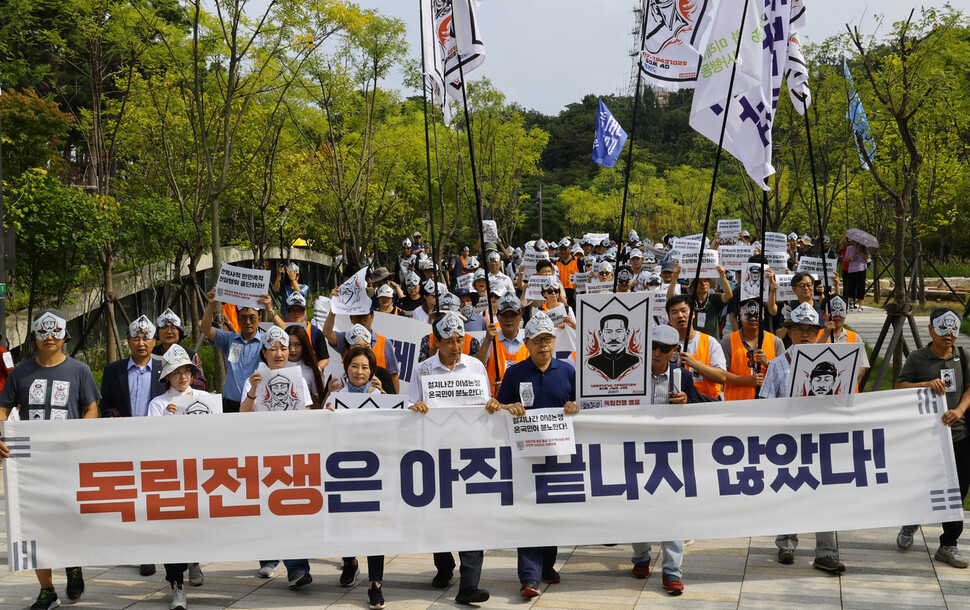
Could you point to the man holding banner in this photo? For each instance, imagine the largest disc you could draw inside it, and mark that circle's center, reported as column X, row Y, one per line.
column 50, row 386
column 449, row 332
column 241, row 349
column 803, row 326
column 538, row 382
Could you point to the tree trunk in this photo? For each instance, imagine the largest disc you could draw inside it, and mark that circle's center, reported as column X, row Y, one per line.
column 899, row 259
column 107, row 264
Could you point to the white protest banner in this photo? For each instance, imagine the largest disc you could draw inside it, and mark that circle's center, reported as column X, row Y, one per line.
column 775, row 242
column 811, row 264
column 824, row 369
column 710, row 470
column 466, row 282
column 198, row 403
column 596, row 238
column 369, row 400
column 490, row 230
column 352, row 299
column 734, row 257
column 613, row 355
column 579, row 280
column 529, row 260
column 405, row 336
column 542, row 432
column 240, row 286
column 682, row 244
column 694, row 237
column 658, row 306
column 557, row 314
column 533, row 291
column 280, row 389
column 708, row 264
column 729, row 227
column 778, row 261
column 464, row 390
column 785, row 291
column 596, row 286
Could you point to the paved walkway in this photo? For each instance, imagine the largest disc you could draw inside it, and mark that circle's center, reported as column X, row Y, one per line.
column 869, row 321
column 728, row 573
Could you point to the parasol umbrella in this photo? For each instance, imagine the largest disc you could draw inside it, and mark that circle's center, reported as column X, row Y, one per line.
column 863, row 238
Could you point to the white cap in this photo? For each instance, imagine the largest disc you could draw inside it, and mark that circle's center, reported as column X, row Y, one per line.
column 539, row 324
column 385, row 291
column 803, row 314
column 509, row 302
column 449, row 325
column 142, row 325
column 357, row 333
column 666, row 335
column 275, row 335
column 175, row 358
column 295, row 300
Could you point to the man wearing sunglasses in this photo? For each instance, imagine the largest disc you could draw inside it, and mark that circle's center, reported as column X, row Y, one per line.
column 932, row 367
column 747, row 353
column 803, row 325
column 672, row 384
column 50, row 386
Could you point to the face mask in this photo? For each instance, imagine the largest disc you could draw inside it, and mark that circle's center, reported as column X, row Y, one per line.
column 947, row 324
column 467, row 311
column 838, row 307
column 49, row 325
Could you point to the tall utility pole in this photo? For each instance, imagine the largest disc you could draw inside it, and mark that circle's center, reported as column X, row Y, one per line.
column 3, row 243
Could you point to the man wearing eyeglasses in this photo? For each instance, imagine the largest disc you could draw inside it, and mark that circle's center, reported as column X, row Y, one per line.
column 672, row 384
column 942, row 367
column 803, row 325
column 128, row 385
column 747, row 353
column 50, row 386
column 538, row 382
column 241, row 350
column 804, row 286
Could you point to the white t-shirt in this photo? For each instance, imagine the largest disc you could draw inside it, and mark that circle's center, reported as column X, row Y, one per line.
column 308, row 377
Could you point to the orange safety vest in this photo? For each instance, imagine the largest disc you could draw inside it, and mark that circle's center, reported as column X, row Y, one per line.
column 379, row 351
column 849, row 335
column 231, row 315
column 705, row 387
column 566, row 270
column 505, row 360
column 467, row 349
column 739, row 365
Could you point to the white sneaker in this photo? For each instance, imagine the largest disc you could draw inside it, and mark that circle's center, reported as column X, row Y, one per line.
column 266, row 572
column 195, row 575
column 178, row 598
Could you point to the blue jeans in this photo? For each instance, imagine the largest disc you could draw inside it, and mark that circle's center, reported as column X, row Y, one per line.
column 292, row 566
column 672, row 555
column 534, row 561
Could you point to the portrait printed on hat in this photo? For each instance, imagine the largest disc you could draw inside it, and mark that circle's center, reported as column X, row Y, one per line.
column 824, row 369
column 614, row 337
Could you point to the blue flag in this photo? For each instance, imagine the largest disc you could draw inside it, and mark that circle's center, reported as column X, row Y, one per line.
column 857, row 116
column 610, row 138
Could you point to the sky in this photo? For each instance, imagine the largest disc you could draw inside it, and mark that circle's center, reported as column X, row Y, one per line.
column 545, row 54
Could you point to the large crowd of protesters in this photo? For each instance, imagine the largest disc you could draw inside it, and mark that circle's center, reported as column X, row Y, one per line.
column 723, row 347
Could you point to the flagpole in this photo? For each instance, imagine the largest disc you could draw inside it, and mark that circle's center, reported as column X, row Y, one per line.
column 620, row 250
column 818, row 208
column 478, row 196
column 717, row 165
column 427, row 155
